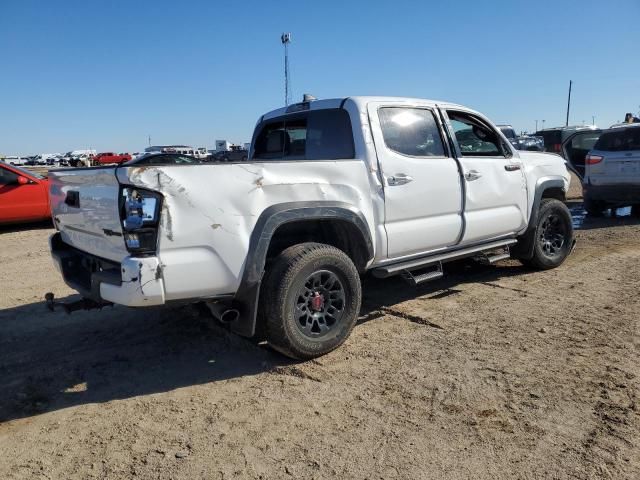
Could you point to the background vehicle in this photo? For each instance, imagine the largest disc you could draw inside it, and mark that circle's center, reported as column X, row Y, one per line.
column 522, row 142
column 106, row 158
column 612, row 173
column 23, row 195
column 576, row 146
column 555, row 137
column 334, row 188
column 200, row 153
column 235, row 154
column 16, row 160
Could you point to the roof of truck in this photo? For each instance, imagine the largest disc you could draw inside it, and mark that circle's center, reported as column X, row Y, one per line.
column 360, row 101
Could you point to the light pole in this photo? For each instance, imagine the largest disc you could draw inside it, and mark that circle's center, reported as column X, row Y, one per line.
column 593, row 119
column 569, row 103
column 536, row 125
column 543, row 124
column 285, row 38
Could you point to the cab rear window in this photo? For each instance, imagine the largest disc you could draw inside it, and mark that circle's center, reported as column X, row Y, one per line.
column 312, row 135
column 619, row 140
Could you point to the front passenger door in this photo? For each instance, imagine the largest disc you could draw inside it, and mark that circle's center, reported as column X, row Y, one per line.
column 495, row 191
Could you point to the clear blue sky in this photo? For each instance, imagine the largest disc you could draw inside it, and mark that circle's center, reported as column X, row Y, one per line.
column 106, row 74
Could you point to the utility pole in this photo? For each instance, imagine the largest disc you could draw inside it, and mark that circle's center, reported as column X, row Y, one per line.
column 536, row 125
column 149, row 139
column 285, row 38
column 569, row 103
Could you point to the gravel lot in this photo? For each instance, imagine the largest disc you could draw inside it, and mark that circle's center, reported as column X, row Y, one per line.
column 492, row 372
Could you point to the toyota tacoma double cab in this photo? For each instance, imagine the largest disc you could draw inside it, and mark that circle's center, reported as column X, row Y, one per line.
column 276, row 245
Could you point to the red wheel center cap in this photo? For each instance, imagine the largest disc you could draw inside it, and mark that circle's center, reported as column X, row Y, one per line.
column 317, row 302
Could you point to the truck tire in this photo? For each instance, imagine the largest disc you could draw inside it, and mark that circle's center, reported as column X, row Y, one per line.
column 552, row 235
column 310, row 300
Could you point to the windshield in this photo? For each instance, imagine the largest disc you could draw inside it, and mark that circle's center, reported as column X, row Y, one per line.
column 27, row 172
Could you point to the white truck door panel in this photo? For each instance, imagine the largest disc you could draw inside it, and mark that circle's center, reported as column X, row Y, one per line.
column 423, row 192
column 495, row 187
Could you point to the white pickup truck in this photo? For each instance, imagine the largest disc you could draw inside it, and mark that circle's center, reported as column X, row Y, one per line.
column 332, row 189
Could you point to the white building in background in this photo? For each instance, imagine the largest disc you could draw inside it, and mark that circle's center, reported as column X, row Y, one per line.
column 223, row 145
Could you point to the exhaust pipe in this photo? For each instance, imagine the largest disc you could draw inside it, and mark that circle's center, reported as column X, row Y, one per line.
column 223, row 313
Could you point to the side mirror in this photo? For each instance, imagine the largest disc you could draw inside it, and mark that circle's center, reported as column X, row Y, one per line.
column 23, row 180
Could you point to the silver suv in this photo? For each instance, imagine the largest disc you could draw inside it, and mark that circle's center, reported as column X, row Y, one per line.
column 612, row 170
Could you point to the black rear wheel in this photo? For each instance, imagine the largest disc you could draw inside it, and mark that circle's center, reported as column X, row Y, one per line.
column 310, row 300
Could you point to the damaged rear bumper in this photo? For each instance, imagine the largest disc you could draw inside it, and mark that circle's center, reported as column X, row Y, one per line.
column 135, row 282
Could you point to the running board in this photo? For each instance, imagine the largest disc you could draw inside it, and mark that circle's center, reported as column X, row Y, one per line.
column 396, row 268
column 415, row 280
column 490, row 259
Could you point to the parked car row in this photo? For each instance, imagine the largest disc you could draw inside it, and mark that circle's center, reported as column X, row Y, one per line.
column 522, row 142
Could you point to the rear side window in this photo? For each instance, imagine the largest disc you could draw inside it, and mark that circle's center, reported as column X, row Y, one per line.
column 7, row 177
column 314, row 135
column 411, row 131
column 619, row 140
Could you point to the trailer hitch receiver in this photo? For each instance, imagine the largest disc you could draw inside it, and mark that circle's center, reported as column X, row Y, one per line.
column 82, row 304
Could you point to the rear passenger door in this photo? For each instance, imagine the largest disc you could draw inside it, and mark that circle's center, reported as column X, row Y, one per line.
column 577, row 146
column 495, row 192
column 421, row 180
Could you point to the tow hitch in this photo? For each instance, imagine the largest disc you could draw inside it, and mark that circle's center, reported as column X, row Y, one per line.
column 82, row 304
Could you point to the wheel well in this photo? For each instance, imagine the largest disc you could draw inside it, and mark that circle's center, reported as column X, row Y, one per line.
column 341, row 234
column 554, row 192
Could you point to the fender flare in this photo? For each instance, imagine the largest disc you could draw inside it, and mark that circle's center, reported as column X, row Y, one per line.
column 248, row 293
column 524, row 247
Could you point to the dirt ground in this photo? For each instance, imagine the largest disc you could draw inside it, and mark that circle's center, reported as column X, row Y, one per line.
column 491, row 373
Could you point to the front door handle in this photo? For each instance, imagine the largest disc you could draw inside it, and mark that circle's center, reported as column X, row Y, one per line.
column 399, row 179
column 512, row 167
column 472, row 175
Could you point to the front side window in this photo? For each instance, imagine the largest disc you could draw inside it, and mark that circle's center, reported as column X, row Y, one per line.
column 411, row 131
column 474, row 138
column 315, row 135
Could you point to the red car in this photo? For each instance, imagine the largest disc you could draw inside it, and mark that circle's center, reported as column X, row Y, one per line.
column 110, row 157
column 24, row 196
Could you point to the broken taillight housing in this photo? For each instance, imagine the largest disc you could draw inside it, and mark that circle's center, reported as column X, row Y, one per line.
column 140, row 215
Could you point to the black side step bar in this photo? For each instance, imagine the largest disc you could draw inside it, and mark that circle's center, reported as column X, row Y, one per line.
column 418, row 263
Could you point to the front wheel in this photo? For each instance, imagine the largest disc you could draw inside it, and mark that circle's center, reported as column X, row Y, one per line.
column 310, row 300
column 552, row 235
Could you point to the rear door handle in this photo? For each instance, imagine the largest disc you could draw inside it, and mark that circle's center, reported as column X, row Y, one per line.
column 512, row 167
column 399, row 179
column 472, row 175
